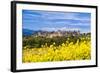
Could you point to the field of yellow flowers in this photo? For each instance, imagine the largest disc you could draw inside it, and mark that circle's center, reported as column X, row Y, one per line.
column 81, row 50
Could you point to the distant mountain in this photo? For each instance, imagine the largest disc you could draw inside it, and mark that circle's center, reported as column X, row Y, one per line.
column 27, row 32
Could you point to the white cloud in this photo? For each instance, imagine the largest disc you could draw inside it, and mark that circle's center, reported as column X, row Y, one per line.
column 62, row 29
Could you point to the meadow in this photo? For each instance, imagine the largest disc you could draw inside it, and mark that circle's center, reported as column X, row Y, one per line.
column 39, row 49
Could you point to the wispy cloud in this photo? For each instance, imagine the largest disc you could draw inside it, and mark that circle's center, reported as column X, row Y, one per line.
column 62, row 29
column 34, row 19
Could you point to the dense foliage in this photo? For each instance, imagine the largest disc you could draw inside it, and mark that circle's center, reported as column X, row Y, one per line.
column 39, row 49
column 37, row 42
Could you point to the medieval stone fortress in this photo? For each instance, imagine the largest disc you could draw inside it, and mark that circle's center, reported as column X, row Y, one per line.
column 58, row 33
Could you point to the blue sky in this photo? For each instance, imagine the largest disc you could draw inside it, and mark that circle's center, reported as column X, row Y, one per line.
column 53, row 21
